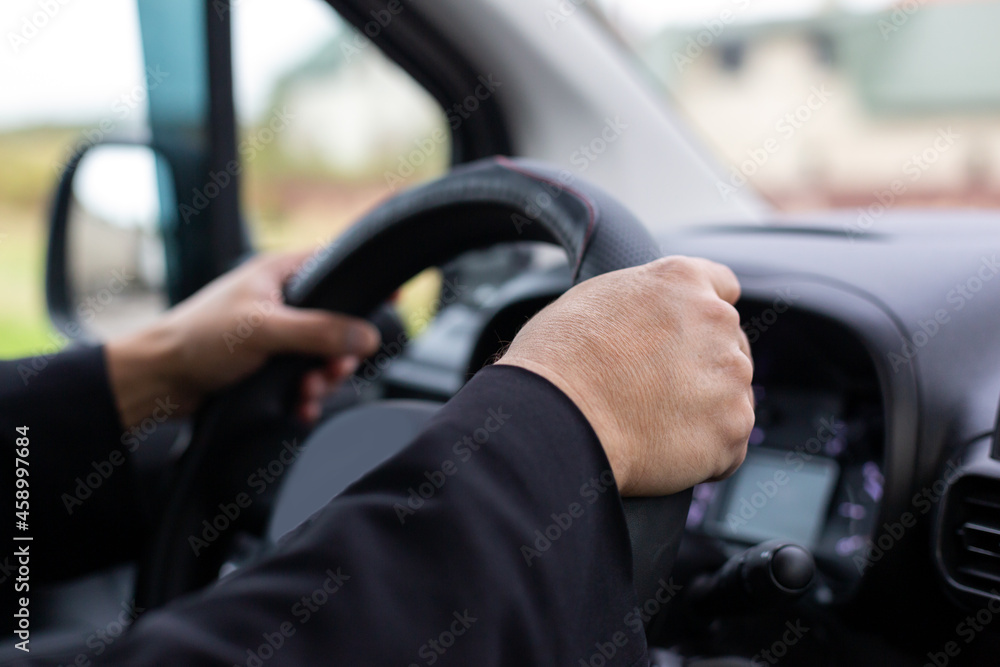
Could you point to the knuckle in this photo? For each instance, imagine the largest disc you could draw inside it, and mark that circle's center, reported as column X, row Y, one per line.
column 742, row 369
column 731, row 453
column 680, row 267
column 739, row 456
column 729, row 274
column 749, row 418
column 735, row 411
column 739, row 425
column 721, row 313
column 737, row 432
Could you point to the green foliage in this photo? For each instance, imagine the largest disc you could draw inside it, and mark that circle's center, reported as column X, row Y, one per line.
column 30, row 164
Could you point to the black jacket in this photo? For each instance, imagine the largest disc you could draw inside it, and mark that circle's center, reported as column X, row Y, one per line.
column 520, row 557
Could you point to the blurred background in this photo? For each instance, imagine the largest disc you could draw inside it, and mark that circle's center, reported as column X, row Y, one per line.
column 816, row 104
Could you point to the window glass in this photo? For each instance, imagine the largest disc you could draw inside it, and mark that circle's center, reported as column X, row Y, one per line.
column 328, row 127
column 72, row 75
column 860, row 104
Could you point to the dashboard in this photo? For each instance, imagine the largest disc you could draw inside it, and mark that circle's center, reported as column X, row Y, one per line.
column 814, row 468
column 816, row 462
column 864, row 411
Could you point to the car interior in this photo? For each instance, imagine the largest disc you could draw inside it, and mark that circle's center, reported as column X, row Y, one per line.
column 863, row 527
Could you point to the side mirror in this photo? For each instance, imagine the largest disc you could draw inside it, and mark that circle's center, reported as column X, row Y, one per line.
column 107, row 265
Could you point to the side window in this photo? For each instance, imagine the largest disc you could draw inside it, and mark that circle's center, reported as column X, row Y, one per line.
column 72, row 75
column 328, row 126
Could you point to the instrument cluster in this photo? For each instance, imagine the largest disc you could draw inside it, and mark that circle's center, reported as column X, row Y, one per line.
column 814, row 467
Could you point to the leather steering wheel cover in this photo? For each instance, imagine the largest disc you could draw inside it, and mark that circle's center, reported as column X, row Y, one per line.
column 477, row 205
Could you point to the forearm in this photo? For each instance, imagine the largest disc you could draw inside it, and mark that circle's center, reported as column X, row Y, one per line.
column 82, row 511
column 143, row 373
column 520, row 551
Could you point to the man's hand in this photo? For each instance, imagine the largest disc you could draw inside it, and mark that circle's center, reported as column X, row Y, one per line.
column 655, row 359
column 227, row 331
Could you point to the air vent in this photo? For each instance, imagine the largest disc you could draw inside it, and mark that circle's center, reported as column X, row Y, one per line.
column 970, row 535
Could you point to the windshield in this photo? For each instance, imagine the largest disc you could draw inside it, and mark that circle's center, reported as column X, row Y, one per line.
column 822, row 104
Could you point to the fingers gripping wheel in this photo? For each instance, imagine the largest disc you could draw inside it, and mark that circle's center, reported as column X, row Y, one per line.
column 477, row 205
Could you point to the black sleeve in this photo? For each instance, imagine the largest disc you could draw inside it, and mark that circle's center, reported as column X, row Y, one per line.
column 82, row 508
column 497, row 538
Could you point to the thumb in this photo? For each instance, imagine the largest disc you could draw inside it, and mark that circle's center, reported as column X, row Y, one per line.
column 317, row 332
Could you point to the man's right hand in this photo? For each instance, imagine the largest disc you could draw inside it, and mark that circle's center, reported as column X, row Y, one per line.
column 655, row 359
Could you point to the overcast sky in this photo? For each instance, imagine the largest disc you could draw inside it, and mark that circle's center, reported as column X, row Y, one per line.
column 86, row 58
column 647, row 16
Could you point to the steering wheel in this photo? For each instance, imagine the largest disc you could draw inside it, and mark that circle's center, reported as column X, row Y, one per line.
column 477, row 205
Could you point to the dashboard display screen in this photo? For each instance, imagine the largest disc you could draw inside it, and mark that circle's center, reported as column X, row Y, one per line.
column 769, row 499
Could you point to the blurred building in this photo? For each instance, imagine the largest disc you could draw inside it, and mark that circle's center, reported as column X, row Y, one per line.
column 358, row 128
column 834, row 109
column 356, row 112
